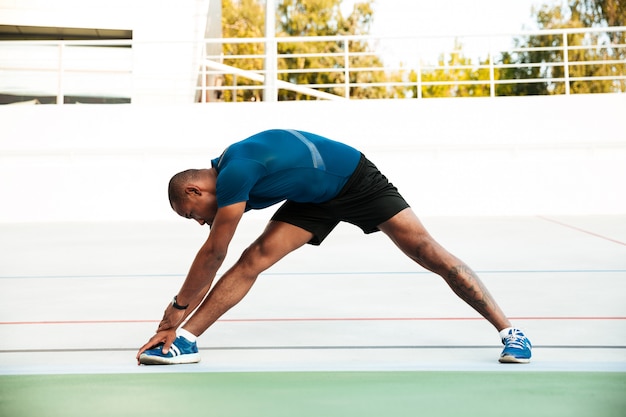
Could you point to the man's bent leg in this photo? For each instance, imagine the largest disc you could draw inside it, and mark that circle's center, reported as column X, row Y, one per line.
column 408, row 233
column 275, row 242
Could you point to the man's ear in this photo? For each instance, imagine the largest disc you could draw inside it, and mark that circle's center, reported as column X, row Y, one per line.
column 192, row 190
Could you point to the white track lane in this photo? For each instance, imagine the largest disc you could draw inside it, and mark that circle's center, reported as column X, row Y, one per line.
column 81, row 298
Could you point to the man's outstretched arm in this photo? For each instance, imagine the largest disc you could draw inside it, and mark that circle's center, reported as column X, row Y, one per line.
column 201, row 274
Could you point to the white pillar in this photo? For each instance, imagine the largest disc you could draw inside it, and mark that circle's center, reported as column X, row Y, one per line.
column 271, row 93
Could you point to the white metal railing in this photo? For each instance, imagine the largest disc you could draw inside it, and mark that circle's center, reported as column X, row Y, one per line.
column 89, row 69
column 326, row 67
column 213, row 67
column 491, row 73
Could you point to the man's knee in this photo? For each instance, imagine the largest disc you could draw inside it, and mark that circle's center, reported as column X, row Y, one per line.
column 253, row 259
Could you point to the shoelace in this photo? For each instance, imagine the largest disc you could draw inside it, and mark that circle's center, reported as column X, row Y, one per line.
column 515, row 340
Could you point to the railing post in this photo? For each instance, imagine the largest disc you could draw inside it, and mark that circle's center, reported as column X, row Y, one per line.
column 419, row 79
column 60, row 95
column 203, row 83
column 566, row 63
column 492, row 72
column 271, row 93
column 346, row 68
column 271, row 53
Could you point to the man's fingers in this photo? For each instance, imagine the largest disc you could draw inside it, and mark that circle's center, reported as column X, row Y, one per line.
column 142, row 350
column 152, row 343
column 166, row 346
column 145, row 347
column 166, row 337
column 170, row 336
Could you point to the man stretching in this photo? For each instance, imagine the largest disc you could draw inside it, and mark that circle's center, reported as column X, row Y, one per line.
column 322, row 182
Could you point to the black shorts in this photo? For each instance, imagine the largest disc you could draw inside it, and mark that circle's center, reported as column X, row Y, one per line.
column 367, row 200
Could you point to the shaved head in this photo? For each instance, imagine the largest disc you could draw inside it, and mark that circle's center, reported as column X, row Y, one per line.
column 176, row 188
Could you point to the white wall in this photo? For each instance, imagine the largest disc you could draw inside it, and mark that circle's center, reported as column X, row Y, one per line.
column 503, row 156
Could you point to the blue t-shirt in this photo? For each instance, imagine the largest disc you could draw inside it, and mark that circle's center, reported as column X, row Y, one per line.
column 277, row 165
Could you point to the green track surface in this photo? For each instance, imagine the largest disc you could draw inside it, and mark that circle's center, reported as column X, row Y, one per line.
column 319, row 394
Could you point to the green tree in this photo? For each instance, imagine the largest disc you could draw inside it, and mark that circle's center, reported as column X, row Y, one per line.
column 243, row 19
column 328, row 72
column 302, row 63
column 598, row 12
column 589, row 54
column 455, row 75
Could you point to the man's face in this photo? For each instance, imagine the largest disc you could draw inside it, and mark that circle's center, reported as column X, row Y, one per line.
column 198, row 205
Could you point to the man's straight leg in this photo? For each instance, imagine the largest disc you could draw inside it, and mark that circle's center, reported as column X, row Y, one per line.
column 275, row 242
column 408, row 233
column 278, row 240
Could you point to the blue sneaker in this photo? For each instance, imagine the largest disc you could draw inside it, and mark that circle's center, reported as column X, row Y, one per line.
column 517, row 348
column 181, row 351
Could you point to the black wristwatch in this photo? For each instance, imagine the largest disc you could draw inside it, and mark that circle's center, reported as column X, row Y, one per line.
column 178, row 306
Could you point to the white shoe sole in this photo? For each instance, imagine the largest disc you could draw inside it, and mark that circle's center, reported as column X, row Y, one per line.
column 176, row 360
column 512, row 359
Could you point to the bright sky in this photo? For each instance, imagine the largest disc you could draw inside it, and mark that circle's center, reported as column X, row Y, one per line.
column 431, row 17
column 449, row 17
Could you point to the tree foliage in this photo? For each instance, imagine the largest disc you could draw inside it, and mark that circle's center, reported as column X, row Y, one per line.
column 243, row 19
column 454, row 75
column 302, row 63
column 535, row 66
column 598, row 12
column 598, row 56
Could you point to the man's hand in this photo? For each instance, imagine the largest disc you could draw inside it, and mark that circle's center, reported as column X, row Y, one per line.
column 166, row 332
column 172, row 318
column 166, row 337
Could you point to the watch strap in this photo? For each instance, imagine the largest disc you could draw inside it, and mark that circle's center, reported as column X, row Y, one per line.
column 178, row 306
